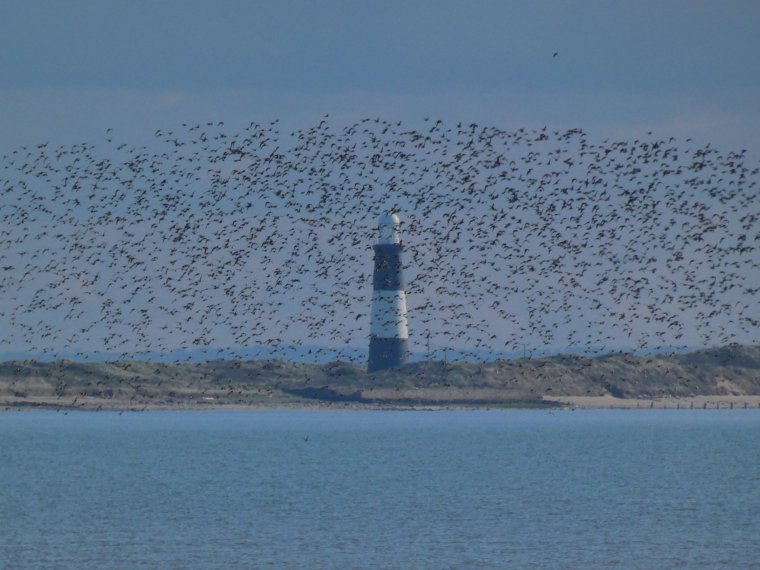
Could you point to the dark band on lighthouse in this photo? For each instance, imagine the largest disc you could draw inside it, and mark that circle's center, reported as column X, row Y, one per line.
column 389, row 332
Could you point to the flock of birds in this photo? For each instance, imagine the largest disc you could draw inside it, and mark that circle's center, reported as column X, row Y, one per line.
column 525, row 238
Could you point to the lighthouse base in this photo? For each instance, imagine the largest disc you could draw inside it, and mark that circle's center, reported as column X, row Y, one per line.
column 386, row 353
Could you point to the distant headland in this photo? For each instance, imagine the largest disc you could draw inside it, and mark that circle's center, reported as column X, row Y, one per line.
column 728, row 376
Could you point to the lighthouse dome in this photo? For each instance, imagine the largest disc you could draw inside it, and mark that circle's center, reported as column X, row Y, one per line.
column 389, row 226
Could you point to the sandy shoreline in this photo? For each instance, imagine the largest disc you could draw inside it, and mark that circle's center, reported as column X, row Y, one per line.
column 568, row 402
column 691, row 402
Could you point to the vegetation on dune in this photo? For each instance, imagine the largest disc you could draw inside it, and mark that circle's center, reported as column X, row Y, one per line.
column 729, row 370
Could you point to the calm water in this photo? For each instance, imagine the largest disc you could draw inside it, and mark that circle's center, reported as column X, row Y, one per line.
column 462, row 489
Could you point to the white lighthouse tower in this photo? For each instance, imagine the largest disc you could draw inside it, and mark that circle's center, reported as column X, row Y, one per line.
column 389, row 333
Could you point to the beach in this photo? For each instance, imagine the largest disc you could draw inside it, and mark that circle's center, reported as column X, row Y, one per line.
column 691, row 402
column 84, row 403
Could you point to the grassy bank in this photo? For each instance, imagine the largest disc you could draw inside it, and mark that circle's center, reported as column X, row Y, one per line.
column 728, row 371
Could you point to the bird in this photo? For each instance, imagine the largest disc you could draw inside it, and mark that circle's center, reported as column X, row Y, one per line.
column 207, row 236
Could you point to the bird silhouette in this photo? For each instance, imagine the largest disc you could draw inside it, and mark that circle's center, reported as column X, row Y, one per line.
column 207, row 236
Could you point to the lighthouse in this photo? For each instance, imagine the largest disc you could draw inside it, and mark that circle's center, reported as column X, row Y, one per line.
column 388, row 332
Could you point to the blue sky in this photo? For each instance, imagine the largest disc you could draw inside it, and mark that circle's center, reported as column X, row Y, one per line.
column 687, row 68
column 622, row 70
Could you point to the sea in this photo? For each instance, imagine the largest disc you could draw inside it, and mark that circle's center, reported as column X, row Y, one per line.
column 380, row 489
